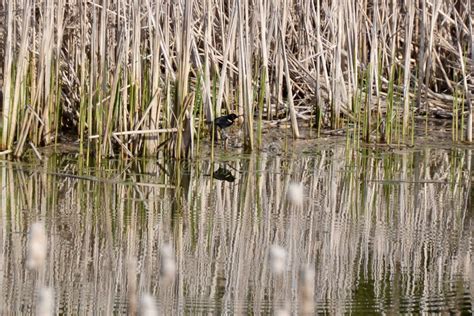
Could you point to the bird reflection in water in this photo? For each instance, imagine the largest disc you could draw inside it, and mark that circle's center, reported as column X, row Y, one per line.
column 223, row 174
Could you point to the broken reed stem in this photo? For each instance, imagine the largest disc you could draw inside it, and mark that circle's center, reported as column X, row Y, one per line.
column 142, row 132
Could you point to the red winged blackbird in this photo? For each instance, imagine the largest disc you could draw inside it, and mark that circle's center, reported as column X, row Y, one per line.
column 226, row 120
column 223, row 122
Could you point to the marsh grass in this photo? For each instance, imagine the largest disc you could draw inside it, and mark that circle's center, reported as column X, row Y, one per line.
column 99, row 68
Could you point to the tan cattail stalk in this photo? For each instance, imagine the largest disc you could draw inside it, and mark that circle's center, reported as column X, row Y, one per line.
column 407, row 67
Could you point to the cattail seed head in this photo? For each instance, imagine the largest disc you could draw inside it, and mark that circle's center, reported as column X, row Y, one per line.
column 277, row 258
column 295, row 194
column 37, row 246
column 148, row 306
column 167, row 263
column 45, row 305
column 306, row 289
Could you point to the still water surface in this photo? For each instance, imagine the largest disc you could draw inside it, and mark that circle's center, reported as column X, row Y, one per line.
column 384, row 231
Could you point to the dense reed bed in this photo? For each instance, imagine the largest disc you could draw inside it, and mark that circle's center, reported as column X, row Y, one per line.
column 387, row 233
column 123, row 77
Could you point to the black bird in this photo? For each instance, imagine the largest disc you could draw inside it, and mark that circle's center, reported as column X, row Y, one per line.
column 222, row 122
column 225, row 121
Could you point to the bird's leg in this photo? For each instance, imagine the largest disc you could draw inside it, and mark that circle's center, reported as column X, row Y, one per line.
column 214, row 134
column 224, row 137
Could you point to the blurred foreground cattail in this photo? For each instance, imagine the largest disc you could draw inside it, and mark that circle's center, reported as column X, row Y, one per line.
column 45, row 305
column 277, row 258
column 37, row 246
column 306, row 290
column 282, row 312
column 132, row 286
column 148, row 306
column 167, row 263
column 295, row 194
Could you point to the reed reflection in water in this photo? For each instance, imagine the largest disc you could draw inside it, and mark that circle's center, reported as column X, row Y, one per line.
column 376, row 231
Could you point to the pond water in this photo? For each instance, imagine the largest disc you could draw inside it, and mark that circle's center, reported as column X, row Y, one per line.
column 383, row 231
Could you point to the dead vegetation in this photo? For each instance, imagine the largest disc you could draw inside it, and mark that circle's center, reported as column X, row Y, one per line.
column 118, row 74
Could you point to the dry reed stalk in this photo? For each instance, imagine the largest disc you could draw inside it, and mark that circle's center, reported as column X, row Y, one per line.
column 35, row 151
column 291, row 106
column 245, row 76
column 106, row 150
column 429, row 53
column 264, row 51
column 100, row 65
column 227, row 50
column 207, row 101
column 337, row 80
column 46, row 104
column 57, row 89
column 470, row 106
column 136, row 56
column 352, row 18
column 322, row 57
column 410, row 7
column 373, row 67
column 5, row 152
column 7, row 75
column 140, row 132
column 279, row 28
column 469, row 98
column 127, row 96
column 19, row 97
column 182, row 147
column 422, row 23
column 92, row 95
column 151, row 144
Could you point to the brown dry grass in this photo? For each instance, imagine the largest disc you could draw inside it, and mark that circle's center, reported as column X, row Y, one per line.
column 103, row 67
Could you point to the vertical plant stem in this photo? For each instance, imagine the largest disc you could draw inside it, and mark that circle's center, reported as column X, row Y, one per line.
column 407, row 69
column 245, row 77
column 294, row 123
column 7, row 75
